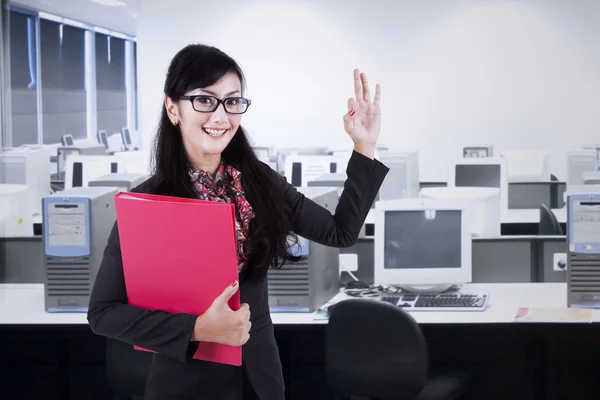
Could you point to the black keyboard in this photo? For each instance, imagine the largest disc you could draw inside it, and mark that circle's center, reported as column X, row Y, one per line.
column 438, row 302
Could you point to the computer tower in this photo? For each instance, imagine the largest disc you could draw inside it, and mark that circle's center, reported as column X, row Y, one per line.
column 307, row 285
column 77, row 223
column 123, row 181
column 579, row 162
column 583, row 250
column 15, row 213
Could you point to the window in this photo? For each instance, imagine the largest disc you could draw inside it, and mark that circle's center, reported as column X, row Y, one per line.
column 62, row 54
column 111, row 94
column 63, row 77
column 22, row 77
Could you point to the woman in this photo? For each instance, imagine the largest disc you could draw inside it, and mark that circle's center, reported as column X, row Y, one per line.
column 201, row 151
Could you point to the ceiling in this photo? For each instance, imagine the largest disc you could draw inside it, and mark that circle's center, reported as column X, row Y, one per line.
column 120, row 18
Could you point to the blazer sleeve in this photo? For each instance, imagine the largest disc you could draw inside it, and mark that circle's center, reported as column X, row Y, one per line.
column 315, row 223
column 110, row 315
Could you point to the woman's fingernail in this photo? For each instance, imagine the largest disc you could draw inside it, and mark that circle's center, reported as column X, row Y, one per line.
column 352, row 112
column 234, row 284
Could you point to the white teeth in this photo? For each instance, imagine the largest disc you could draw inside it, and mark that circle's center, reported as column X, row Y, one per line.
column 215, row 132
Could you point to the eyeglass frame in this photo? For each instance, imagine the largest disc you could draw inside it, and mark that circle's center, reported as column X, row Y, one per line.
column 219, row 102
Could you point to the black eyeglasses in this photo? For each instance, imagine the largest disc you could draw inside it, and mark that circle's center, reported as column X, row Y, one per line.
column 206, row 104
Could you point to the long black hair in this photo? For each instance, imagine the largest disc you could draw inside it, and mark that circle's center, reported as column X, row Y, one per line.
column 270, row 237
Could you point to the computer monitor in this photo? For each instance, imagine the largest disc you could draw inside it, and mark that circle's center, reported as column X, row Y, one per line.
column 80, row 170
column 134, row 161
column 334, row 180
column 301, row 169
column 422, row 244
column 402, row 180
column 67, row 140
column 526, row 165
column 103, row 139
column 283, row 152
column 484, row 206
column 478, row 151
column 481, row 172
column 126, row 137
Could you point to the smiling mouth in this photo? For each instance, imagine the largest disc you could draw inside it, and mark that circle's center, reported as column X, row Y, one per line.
column 215, row 132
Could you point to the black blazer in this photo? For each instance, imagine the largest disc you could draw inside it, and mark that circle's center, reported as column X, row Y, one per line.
column 174, row 374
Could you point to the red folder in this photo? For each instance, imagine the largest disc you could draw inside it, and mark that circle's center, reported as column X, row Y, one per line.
column 178, row 256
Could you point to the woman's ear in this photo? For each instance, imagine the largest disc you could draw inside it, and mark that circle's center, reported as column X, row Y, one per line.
column 172, row 110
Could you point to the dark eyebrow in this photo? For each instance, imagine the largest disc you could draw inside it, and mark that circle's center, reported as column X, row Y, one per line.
column 214, row 94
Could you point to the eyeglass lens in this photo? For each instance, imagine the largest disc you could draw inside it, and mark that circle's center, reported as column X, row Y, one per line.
column 232, row 104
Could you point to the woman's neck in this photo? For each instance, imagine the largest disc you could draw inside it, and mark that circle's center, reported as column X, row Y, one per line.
column 206, row 162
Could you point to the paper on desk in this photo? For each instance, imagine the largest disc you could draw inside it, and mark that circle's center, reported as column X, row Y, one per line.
column 525, row 314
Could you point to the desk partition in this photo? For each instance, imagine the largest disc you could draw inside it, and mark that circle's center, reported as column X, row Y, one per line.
column 504, row 259
column 529, row 195
column 22, row 260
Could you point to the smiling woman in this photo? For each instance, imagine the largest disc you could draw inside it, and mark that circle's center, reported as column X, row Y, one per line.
column 201, row 151
column 203, row 114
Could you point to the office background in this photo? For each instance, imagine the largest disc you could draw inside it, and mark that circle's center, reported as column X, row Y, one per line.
column 454, row 73
column 513, row 74
column 508, row 73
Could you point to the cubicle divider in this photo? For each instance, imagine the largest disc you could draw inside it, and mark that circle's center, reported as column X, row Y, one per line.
column 22, row 260
column 503, row 259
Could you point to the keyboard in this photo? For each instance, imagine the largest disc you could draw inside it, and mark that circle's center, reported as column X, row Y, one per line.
column 438, row 302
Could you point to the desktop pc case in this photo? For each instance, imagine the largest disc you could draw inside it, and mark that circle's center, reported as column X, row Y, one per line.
column 77, row 223
column 307, row 285
column 579, row 162
column 583, row 250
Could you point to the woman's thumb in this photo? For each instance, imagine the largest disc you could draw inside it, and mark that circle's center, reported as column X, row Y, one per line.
column 229, row 291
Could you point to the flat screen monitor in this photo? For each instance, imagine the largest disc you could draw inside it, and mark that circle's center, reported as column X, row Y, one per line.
column 67, row 140
column 103, row 139
column 126, row 136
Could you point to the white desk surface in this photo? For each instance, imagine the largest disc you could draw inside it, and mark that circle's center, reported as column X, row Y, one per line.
column 24, row 304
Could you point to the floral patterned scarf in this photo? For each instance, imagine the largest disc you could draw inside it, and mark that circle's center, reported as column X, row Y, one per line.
column 226, row 187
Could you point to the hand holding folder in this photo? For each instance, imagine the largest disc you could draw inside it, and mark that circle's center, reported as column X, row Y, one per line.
column 178, row 256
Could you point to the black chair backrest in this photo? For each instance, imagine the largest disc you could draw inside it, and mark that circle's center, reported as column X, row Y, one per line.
column 374, row 349
column 549, row 224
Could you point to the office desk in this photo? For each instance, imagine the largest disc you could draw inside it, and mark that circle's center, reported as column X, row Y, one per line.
column 23, row 304
column 59, row 358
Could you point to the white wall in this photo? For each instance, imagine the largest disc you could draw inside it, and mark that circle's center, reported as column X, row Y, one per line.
column 511, row 73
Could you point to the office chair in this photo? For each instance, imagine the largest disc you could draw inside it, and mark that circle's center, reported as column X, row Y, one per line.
column 376, row 350
column 126, row 369
column 549, row 224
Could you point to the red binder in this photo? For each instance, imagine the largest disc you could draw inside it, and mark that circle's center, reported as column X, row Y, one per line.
column 178, row 256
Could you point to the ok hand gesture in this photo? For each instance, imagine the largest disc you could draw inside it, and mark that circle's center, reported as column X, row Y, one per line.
column 363, row 119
